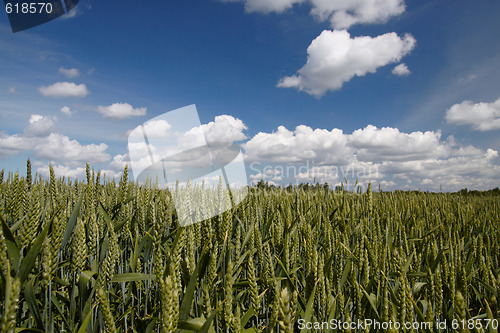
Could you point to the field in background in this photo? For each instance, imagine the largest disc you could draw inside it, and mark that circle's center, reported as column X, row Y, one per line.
column 87, row 257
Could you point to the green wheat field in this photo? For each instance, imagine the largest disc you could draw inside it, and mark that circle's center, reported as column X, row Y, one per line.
column 102, row 256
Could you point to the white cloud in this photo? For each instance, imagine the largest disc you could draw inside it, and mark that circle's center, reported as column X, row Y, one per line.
column 268, row 6
column 481, row 116
column 389, row 144
column 491, row 154
column 60, row 148
column 386, row 155
column 370, row 144
column 67, row 111
column 384, row 184
column 74, row 173
column 64, row 89
column 120, row 111
column 119, row 162
column 13, row 144
column 453, row 173
column 401, row 70
column 40, row 139
column 111, row 174
column 224, row 128
column 40, row 126
column 273, row 172
column 345, row 13
column 12, row 90
column 259, row 176
column 61, row 171
column 303, row 144
column 334, row 58
column 157, row 129
column 69, row 72
column 341, row 13
column 34, row 118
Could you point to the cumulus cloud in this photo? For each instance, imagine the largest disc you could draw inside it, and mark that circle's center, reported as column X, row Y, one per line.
column 40, row 126
column 385, row 155
column 74, row 173
column 303, row 144
column 54, row 148
column 119, row 162
column 61, row 171
column 40, row 138
column 120, row 111
column 157, row 129
column 69, row 72
column 64, row 89
column 401, row 70
column 273, row 172
column 67, row 111
column 13, row 144
column 369, row 144
column 258, row 176
column 224, row 128
column 453, row 173
column 60, row 148
column 481, row 116
column 334, row 58
column 341, row 14
column 389, row 144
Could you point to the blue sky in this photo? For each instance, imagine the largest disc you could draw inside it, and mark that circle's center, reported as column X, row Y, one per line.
column 432, row 122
